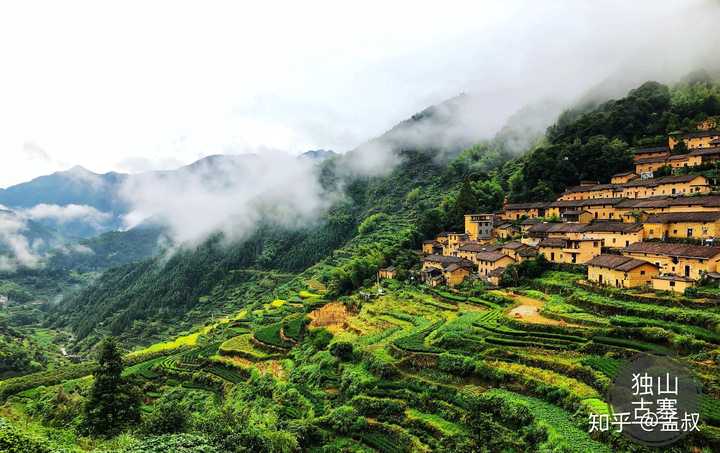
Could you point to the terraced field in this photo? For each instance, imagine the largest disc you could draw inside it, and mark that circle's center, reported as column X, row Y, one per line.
column 431, row 370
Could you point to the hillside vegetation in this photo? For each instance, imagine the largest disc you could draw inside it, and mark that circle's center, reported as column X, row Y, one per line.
column 287, row 342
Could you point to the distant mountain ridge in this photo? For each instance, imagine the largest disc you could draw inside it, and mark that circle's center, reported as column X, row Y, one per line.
column 82, row 187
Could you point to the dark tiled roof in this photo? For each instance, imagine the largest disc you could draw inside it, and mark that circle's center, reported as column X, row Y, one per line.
column 476, row 247
column 673, row 217
column 706, row 151
column 702, row 200
column 442, row 259
column 491, row 256
column 557, row 228
column 626, row 173
column 552, row 242
column 599, row 201
column 514, row 245
column 666, row 201
column 651, row 160
column 527, row 251
column 564, row 204
column 454, row 266
column 593, row 188
column 679, row 250
column 525, row 206
column 530, row 222
column 639, row 203
column 652, row 182
column 701, row 134
column 654, row 149
column 613, row 227
column 496, row 272
column 617, row 262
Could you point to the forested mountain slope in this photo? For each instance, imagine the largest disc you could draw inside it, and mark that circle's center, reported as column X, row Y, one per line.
column 421, row 196
column 287, row 343
column 594, row 144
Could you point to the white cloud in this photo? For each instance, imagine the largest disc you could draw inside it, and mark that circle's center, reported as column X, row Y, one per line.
column 67, row 213
column 102, row 84
column 12, row 239
column 232, row 195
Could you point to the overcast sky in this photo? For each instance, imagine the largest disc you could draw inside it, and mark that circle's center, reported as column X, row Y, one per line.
column 132, row 86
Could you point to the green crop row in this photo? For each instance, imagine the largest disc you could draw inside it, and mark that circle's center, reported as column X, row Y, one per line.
column 629, row 344
column 697, row 332
column 294, row 326
column 606, row 365
column 415, row 342
column 270, row 335
column 563, row 433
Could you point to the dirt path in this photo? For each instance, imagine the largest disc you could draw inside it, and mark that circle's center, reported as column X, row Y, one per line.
column 528, row 310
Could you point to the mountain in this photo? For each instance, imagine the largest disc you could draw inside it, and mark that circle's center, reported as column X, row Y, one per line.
column 76, row 186
column 377, row 216
column 114, row 248
column 318, row 154
column 287, row 340
column 24, row 236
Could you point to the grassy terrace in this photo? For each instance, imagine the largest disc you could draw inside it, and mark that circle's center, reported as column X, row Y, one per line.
column 423, row 361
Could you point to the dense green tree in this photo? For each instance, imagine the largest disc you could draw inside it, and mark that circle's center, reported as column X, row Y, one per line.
column 680, row 148
column 113, row 403
column 169, row 416
column 465, row 202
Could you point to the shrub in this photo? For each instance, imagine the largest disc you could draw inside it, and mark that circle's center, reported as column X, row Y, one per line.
column 14, row 441
column 373, row 407
column 371, row 222
column 343, row 350
column 170, row 415
column 320, row 338
column 346, row 420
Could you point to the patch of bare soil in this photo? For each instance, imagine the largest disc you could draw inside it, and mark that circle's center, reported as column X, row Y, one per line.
column 332, row 316
column 528, row 311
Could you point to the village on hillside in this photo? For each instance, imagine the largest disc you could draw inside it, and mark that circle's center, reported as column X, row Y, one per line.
column 655, row 227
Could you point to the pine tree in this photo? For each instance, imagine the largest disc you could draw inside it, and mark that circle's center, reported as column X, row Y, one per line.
column 465, row 203
column 112, row 403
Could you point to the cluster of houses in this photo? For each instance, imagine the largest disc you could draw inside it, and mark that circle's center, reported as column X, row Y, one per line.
column 634, row 231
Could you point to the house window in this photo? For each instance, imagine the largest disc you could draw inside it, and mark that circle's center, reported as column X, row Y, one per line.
column 642, row 272
column 672, row 283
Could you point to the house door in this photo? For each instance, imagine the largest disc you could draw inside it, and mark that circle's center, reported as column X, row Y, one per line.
column 687, row 271
column 689, row 232
column 600, row 279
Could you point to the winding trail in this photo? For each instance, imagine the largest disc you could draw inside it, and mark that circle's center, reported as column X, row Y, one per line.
column 528, row 310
